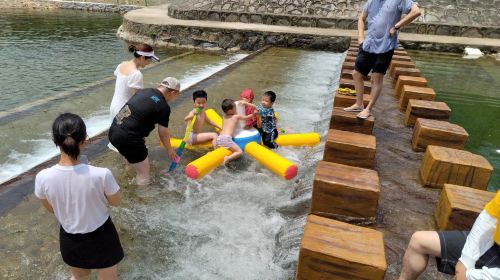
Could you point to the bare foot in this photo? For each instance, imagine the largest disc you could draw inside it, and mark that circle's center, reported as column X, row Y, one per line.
column 354, row 108
column 225, row 160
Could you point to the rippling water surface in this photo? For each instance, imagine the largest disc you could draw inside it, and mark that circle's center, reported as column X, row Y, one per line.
column 471, row 88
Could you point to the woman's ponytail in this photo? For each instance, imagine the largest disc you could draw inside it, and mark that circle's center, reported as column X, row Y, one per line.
column 68, row 132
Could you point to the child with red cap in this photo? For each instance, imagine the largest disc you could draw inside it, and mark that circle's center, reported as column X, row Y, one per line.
column 247, row 96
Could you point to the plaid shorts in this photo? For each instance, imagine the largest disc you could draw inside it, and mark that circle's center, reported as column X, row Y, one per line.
column 452, row 243
column 225, row 141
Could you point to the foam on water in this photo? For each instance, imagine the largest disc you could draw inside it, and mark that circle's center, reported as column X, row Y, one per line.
column 42, row 149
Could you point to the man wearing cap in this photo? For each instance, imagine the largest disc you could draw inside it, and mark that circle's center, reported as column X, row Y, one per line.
column 376, row 49
column 137, row 118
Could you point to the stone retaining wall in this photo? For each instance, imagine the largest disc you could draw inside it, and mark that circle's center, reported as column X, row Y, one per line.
column 467, row 18
column 73, row 5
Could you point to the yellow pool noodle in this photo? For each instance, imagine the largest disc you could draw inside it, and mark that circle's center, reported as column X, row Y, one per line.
column 301, row 139
column 203, row 165
column 272, row 161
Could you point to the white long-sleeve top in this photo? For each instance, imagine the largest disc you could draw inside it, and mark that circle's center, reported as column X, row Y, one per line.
column 480, row 240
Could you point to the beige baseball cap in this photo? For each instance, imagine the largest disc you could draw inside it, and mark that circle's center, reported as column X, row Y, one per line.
column 171, row 83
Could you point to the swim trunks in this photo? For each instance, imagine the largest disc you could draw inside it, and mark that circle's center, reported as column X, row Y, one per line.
column 225, row 141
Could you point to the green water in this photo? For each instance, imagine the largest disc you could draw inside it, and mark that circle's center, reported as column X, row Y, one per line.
column 471, row 88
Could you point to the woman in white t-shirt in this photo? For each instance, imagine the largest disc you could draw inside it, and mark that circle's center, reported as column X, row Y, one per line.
column 78, row 194
column 129, row 79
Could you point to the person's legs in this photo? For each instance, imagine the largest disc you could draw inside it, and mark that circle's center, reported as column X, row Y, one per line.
column 422, row 245
column 237, row 152
column 142, row 171
column 363, row 65
column 377, row 81
column 204, row 137
column 109, row 273
column 79, row 273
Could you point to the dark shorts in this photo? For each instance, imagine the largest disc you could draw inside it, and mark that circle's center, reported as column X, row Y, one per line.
column 268, row 138
column 98, row 249
column 452, row 243
column 132, row 147
column 376, row 62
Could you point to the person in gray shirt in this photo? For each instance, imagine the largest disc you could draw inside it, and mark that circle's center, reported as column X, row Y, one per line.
column 375, row 52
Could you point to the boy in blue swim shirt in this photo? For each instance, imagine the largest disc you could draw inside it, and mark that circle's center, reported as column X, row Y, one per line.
column 267, row 120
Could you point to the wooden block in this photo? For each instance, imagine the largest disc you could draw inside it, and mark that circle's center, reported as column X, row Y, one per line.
column 353, row 49
column 335, row 250
column 350, row 148
column 408, row 80
column 400, row 52
column 437, row 133
column 348, row 65
column 342, row 101
column 398, row 63
column 413, row 92
column 442, row 165
column 351, row 53
column 348, row 121
column 403, row 71
column 426, row 109
column 347, row 74
column 350, row 58
column 459, row 206
column 346, row 83
column 401, row 57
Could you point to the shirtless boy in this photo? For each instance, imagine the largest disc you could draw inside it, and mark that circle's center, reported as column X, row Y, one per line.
column 196, row 137
column 229, row 123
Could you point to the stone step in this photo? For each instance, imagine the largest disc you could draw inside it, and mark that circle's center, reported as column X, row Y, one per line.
column 426, row 109
column 335, row 250
column 398, row 63
column 348, row 121
column 413, row 92
column 408, row 80
column 350, row 148
column 437, row 133
column 403, row 71
column 401, row 57
column 459, row 206
column 341, row 100
column 349, row 83
column 347, row 74
column 347, row 65
column 442, row 165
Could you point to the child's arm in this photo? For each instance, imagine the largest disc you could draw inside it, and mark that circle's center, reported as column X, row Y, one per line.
column 247, row 103
column 210, row 122
column 240, row 117
column 190, row 115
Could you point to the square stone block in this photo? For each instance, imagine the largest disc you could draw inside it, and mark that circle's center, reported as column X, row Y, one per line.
column 401, row 57
column 403, row 71
column 347, row 83
column 459, row 206
column 413, row 92
column 350, row 148
column 341, row 100
column 437, row 133
column 348, row 121
column 399, row 63
column 347, row 74
column 348, row 65
column 426, row 109
column 335, row 250
column 408, row 80
column 442, row 165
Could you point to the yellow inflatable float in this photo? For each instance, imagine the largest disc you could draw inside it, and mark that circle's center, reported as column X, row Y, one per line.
column 249, row 141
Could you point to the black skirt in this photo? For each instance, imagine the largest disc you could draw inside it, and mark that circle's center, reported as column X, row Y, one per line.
column 98, row 249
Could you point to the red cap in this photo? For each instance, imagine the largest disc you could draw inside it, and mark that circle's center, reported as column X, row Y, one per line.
column 247, row 93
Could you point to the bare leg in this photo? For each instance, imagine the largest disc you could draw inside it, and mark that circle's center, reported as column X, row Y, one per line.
column 377, row 80
column 204, row 137
column 79, row 273
column 237, row 152
column 142, row 170
column 108, row 273
column 422, row 245
column 360, row 88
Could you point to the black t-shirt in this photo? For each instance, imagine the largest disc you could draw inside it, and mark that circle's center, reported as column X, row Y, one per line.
column 139, row 115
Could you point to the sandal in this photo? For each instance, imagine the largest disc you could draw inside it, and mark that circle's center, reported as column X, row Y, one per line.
column 353, row 108
column 347, row 91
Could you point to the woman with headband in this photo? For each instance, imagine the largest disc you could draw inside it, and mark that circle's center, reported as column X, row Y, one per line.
column 128, row 77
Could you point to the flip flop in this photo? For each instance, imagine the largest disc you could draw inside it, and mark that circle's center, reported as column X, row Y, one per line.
column 363, row 117
column 350, row 109
column 347, row 91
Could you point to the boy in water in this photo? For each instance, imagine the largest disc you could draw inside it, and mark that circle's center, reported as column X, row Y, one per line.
column 229, row 122
column 246, row 98
column 195, row 137
column 267, row 123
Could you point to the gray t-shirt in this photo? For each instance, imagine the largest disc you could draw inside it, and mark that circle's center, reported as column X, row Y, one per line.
column 382, row 15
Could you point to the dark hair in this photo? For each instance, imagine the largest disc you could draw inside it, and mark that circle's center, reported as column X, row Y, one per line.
column 199, row 94
column 271, row 95
column 68, row 131
column 227, row 104
column 140, row 47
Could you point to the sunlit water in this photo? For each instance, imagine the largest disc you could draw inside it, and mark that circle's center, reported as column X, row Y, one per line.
column 224, row 226
column 471, row 88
